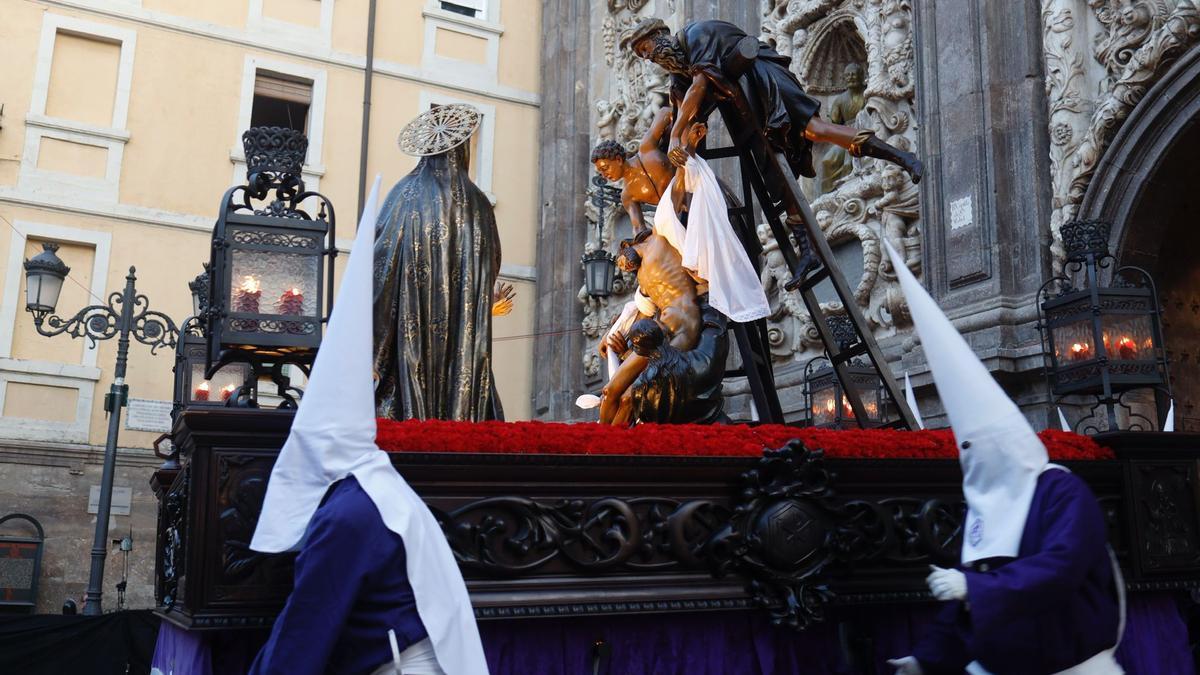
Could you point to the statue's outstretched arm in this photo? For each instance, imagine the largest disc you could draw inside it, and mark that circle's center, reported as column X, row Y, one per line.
column 662, row 120
column 688, row 109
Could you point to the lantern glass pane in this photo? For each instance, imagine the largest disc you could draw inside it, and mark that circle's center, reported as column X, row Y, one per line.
column 272, row 283
column 824, row 406
column 1128, row 337
column 42, row 291
column 220, row 387
column 870, row 398
column 1074, row 342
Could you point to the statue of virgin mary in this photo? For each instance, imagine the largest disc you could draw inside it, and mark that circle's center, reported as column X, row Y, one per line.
column 437, row 256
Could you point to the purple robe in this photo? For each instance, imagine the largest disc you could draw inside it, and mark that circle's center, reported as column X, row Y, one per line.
column 1050, row 608
column 351, row 586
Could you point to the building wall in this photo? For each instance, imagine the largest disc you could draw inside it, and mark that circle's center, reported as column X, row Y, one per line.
column 120, row 132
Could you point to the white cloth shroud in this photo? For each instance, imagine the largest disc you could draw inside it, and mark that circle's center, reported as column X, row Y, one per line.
column 710, row 248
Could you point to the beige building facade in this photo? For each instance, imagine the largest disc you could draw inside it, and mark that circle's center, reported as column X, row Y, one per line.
column 120, row 130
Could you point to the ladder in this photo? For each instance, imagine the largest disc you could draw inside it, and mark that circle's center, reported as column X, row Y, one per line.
column 788, row 214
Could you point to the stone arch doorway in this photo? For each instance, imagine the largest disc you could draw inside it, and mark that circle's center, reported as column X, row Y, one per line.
column 1147, row 185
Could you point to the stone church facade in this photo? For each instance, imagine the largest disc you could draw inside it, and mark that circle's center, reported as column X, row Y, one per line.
column 1027, row 117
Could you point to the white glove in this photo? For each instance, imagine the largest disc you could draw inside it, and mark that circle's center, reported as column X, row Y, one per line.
column 908, row 665
column 947, row 584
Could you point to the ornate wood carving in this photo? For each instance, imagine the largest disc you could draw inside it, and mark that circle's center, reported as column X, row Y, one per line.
column 548, row 535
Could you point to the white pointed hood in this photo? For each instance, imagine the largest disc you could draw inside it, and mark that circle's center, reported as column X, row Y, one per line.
column 1001, row 455
column 333, row 436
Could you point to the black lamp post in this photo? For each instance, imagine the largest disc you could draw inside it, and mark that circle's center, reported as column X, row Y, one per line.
column 126, row 315
column 1103, row 340
column 600, row 266
column 271, row 269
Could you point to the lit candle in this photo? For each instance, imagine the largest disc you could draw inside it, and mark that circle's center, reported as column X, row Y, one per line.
column 246, row 299
column 201, row 393
column 291, row 302
column 1127, row 348
column 1080, row 351
column 227, row 391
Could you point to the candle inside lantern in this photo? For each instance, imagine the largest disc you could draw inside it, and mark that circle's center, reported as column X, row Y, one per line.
column 1080, row 351
column 227, row 391
column 1127, row 348
column 247, row 296
column 201, row 393
column 846, row 407
column 291, row 302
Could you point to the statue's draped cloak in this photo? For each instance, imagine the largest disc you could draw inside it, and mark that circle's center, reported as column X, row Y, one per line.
column 686, row 387
column 778, row 99
column 437, row 255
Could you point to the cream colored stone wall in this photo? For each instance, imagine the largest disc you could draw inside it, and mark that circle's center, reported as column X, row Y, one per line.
column 121, row 131
column 152, row 180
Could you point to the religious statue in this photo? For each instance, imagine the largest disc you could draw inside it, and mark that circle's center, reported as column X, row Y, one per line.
column 700, row 59
column 672, row 295
column 836, row 164
column 437, row 258
column 680, row 387
column 645, row 174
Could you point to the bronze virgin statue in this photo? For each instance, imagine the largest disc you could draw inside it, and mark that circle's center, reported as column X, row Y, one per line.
column 437, row 257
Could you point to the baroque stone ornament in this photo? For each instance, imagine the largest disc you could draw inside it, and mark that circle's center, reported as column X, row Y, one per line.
column 874, row 200
column 1101, row 58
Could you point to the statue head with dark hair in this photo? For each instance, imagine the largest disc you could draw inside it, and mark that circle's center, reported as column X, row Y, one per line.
column 646, row 337
column 609, row 158
column 628, row 260
column 652, row 40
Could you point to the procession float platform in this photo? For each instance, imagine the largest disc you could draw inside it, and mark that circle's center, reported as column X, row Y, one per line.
column 634, row 531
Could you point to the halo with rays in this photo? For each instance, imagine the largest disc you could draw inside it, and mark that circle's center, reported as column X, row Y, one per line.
column 441, row 129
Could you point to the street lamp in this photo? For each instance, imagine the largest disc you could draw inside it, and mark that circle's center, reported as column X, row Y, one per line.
column 126, row 315
column 1102, row 339
column 600, row 266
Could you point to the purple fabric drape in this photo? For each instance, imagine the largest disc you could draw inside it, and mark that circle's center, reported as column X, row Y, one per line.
column 722, row 643
column 707, row 643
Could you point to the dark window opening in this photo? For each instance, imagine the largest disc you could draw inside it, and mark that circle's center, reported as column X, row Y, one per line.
column 459, row 9
column 281, row 102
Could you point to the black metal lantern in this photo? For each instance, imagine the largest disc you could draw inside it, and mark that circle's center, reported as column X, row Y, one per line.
column 271, row 272
column 599, row 272
column 1102, row 340
column 44, row 276
column 600, row 266
column 825, row 398
column 232, row 383
column 199, row 288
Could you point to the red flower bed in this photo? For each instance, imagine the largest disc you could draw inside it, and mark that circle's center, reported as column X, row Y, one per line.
column 715, row 440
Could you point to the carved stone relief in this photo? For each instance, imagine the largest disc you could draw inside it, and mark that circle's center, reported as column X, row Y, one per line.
column 874, row 199
column 1101, row 58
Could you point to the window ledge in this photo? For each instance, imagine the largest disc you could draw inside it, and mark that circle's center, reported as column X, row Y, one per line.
column 58, row 124
column 463, row 20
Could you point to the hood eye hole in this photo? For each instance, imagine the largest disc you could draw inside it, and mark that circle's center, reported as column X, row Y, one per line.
column 966, row 445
